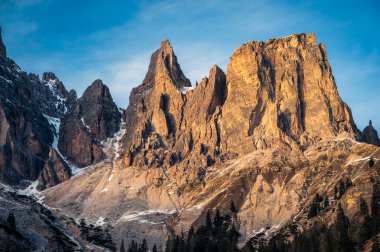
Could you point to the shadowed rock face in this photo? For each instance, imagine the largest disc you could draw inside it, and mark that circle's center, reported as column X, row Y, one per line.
column 370, row 135
column 26, row 134
column 54, row 172
column 3, row 49
column 99, row 111
column 93, row 118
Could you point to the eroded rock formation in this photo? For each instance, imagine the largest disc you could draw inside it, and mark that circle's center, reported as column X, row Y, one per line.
column 93, row 118
column 264, row 136
column 54, row 171
column 370, row 135
column 282, row 91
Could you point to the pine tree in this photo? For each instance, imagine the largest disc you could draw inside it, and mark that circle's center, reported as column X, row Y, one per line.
column 326, row 202
column 133, row 247
column 375, row 206
column 313, row 211
column 342, row 240
column 371, row 163
column 122, row 249
column 143, row 246
column 341, row 189
column 11, row 220
column 365, row 228
column 348, row 183
column 208, row 220
column 154, row 249
column 233, row 207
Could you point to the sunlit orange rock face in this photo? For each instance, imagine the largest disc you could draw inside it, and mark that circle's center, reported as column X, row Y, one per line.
column 268, row 135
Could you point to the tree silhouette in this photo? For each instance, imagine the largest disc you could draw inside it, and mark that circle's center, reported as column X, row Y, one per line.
column 154, row 249
column 233, row 207
column 122, row 249
column 11, row 220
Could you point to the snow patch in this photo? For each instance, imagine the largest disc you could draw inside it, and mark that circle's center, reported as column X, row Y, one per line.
column 55, row 123
column 100, row 222
column 110, row 177
column 84, row 124
column 112, row 146
column 184, row 90
column 31, row 191
column 138, row 216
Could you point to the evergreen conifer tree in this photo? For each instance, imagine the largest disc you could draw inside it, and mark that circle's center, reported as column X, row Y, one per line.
column 11, row 220
column 122, row 248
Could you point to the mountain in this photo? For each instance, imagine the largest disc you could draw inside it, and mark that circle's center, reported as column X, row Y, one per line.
column 268, row 136
column 268, row 150
column 370, row 135
column 93, row 118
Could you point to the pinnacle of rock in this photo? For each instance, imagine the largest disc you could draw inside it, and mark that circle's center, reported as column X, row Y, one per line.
column 47, row 76
column 164, row 67
column 370, row 135
column 97, row 88
column 3, row 49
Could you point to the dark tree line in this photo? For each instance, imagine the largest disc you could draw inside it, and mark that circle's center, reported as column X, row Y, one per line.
column 341, row 235
column 217, row 234
column 136, row 247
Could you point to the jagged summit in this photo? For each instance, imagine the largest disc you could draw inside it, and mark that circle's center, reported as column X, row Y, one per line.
column 97, row 88
column 275, row 95
column 164, row 66
column 3, row 49
column 47, row 76
column 370, row 135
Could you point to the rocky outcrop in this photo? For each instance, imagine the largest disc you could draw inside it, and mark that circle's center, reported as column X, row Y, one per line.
column 282, row 90
column 30, row 110
column 370, row 135
column 54, row 172
column 3, row 49
column 253, row 137
column 99, row 111
column 25, row 133
column 93, row 118
column 172, row 121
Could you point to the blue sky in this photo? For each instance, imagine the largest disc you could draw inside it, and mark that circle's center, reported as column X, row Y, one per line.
column 112, row 40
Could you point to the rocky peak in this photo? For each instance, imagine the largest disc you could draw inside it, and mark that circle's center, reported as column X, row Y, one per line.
column 99, row 111
column 370, row 135
column 93, row 117
column 3, row 49
column 49, row 76
column 97, row 89
column 275, row 95
column 57, row 87
column 163, row 65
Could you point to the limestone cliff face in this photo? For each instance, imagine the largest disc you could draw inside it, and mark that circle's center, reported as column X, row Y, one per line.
column 370, row 135
column 55, row 171
column 91, row 119
column 276, row 93
column 170, row 121
column 282, row 90
column 253, row 137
